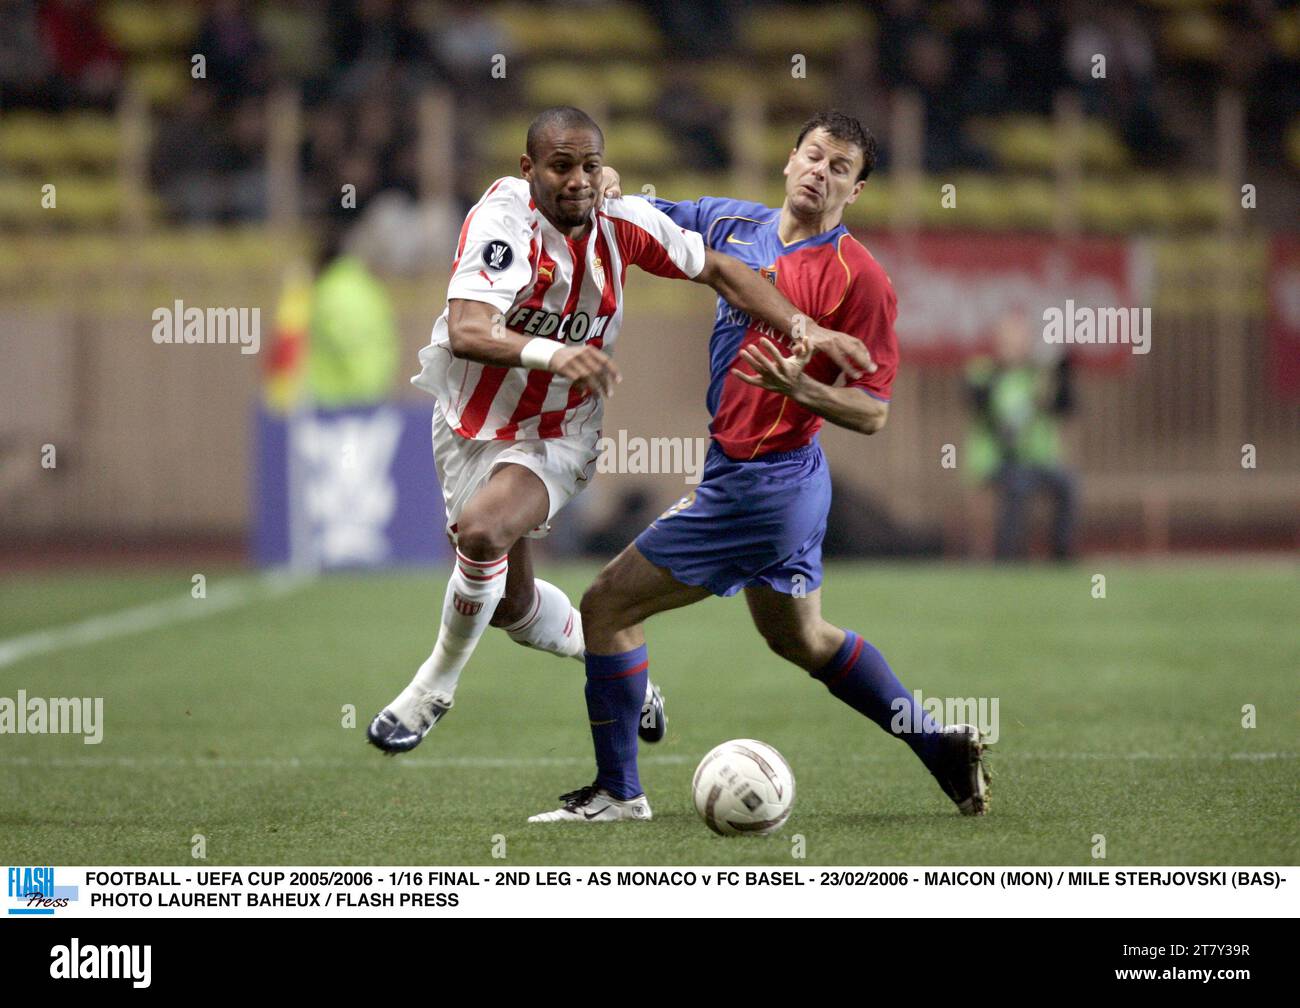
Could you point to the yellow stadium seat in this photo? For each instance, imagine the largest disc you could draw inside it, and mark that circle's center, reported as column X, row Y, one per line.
column 1286, row 32
column 813, row 31
column 1200, row 199
column 1026, row 143
column 1152, row 200
column 1029, row 143
column 608, row 29
column 630, row 86
column 1033, row 201
column 159, row 81
column 560, row 83
column 638, row 143
column 31, row 140
column 1101, row 146
column 722, row 80
column 141, row 27
column 95, row 139
column 1104, row 206
column 803, row 95
column 1194, row 35
column 623, row 86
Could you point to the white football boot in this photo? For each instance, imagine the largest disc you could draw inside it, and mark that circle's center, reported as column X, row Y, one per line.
column 595, row 804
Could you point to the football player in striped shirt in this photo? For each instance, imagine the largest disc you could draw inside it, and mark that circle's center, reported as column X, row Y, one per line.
column 757, row 519
column 520, row 363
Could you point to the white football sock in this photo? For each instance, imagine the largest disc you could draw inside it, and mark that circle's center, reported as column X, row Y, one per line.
column 552, row 624
column 472, row 595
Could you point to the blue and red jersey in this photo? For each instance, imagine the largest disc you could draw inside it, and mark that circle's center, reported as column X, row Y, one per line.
column 830, row 277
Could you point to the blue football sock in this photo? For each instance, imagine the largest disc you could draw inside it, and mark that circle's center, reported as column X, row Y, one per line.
column 860, row 676
column 615, row 694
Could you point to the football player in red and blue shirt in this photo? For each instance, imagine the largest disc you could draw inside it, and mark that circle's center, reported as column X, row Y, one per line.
column 757, row 520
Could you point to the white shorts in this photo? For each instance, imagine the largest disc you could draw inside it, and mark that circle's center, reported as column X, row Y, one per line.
column 565, row 466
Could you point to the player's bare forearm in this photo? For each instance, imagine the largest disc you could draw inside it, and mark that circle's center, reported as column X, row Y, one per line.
column 845, row 406
column 478, row 333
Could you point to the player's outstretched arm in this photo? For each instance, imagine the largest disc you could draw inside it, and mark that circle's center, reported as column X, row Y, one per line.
column 741, row 287
column 845, row 407
column 478, row 333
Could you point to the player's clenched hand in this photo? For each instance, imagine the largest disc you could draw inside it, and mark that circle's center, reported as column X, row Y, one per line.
column 772, row 371
column 588, row 367
column 611, row 186
column 848, row 353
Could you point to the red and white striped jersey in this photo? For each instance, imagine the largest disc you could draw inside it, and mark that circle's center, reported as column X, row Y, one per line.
column 544, row 284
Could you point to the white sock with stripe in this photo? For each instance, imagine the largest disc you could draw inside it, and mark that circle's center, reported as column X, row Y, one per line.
column 552, row 624
column 472, row 595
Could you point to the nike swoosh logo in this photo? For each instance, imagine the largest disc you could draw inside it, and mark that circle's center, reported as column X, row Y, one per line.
column 593, row 815
column 733, row 240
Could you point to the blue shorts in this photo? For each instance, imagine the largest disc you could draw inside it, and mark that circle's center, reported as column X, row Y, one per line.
column 747, row 523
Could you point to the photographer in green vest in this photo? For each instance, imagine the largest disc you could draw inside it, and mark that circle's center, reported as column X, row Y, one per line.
column 352, row 355
column 1014, row 443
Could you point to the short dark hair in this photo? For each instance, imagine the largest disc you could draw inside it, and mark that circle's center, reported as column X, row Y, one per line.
column 560, row 117
column 846, row 128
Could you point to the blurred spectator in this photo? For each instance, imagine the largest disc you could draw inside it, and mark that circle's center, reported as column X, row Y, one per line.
column 1126, row 94
column 947, row 145
column 900, row 22
column 247, row 161
column 23, row 66
column 696, row 121
column 229, row 42
column 88, row 65
column 373, row 40
column 352, row 347
column 1033, row 47
column 1014, row 442
column 190, row 158
column 700, row 28
column 466, row 40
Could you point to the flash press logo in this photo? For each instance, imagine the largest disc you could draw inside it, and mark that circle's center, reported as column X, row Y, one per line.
column 75, row 961
column 32, row 892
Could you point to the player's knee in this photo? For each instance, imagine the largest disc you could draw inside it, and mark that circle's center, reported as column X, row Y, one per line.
column 793, row 646
column 480, row 540
column 600, row 607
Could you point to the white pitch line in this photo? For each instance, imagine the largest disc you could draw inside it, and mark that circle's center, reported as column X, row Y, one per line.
column 508, row 762
column 295, row 763
column 221, row 597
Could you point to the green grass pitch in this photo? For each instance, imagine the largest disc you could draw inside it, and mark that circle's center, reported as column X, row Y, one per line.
column 1119, row 716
